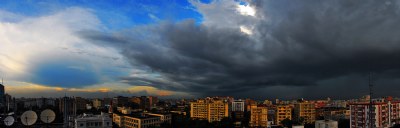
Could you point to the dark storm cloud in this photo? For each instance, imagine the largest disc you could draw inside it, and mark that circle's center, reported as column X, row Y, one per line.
column 296, row 43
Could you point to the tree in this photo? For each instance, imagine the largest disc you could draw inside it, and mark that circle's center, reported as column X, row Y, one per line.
column 344, row 123
column 287, row 123
column 396, row 126
column 225, row 123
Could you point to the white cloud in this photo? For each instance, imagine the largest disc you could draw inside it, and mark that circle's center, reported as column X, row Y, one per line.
column 153, row 17
column 246, row 30
column 228, row 14
column 29, row 42
column 246, row 10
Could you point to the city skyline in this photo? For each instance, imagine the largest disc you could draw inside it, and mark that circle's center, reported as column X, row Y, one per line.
column 183, row 49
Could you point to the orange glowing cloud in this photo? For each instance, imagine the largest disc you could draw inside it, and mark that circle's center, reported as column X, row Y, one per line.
column 150, row 90
column 35, row 90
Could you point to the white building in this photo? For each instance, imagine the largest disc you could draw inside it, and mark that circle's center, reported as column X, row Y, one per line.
column 142, row 120
column 326, row 124
column 238, row 106
column 166, row 118
column 93, row 121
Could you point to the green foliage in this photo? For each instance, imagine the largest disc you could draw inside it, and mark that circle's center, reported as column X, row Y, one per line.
column 287, row 123
column 396, row 126
column 344, row 123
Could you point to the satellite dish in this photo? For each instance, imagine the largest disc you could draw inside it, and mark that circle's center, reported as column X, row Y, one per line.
column 47, row 116
column 28, row 118
column 9, row 120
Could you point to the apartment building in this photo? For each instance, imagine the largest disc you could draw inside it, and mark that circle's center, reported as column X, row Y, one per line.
column 283, row 112
column 258, row 116
column 305, row 111
column 208, row 109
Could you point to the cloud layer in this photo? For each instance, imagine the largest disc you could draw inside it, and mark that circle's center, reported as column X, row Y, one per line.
column 257, row 48
column 291, row 44
column 45, row 50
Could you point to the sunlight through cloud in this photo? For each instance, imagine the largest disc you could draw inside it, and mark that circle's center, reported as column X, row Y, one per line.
column 246, row 10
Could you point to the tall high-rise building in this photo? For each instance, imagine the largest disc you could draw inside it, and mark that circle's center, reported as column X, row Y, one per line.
column 238, row 106
column 283, row 112
column 80, row 103
column 385, row 114
column 258, row 116
column 66, row 106
column 211, row 110
column 2, row 92
column 144, row 103
column 153, row 100
column 305, row 111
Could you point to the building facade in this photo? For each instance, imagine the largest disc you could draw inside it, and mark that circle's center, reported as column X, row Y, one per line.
column 258, row 116
column 93, row 121
column 305, row 111
column 385, row 114
column 165, row 118
column 143, row 120
column 283, row 112
column 211, row 110
column 2, row 92
column 238, row 106
column 153, row 100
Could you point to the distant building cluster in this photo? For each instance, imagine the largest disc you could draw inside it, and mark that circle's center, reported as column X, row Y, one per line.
column 150, row 111
column 297, row 113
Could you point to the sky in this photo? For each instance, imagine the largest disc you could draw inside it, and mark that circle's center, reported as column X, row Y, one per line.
column 263, row 49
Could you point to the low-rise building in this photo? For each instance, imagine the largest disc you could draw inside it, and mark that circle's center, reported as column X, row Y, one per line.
column 93, row 121
column 141, row 120
column 326, row 124
column 165, row 118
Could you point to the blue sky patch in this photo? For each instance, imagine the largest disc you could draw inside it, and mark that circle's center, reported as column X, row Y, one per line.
column 64, row 75
column 115, row 14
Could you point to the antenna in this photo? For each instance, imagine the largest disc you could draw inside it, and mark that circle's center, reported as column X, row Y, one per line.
column 370, row 84
column 9, row 120
column 47, row 116
column 29, row 118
